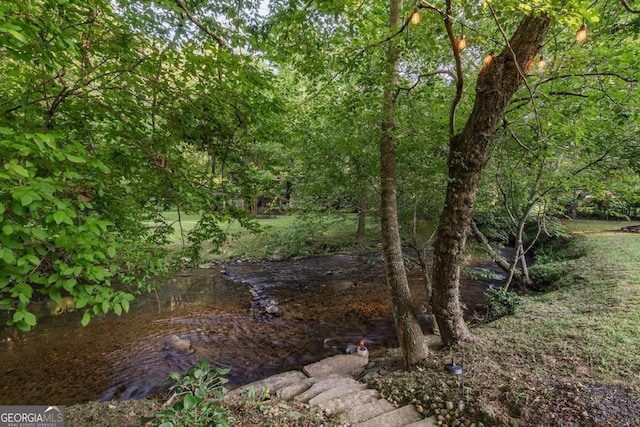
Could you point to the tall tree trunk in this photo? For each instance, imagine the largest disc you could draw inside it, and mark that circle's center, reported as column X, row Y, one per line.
column 362, row 217
column 496, row 84
column 410, row 336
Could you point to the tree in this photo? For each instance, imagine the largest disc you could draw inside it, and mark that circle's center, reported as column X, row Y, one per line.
column 91, row 150
column 410, row 336
column 496, row 84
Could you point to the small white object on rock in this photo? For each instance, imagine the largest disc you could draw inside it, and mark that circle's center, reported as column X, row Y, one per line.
column 363, row 351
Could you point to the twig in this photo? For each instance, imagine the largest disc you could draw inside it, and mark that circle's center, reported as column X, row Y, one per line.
column 627, row 6
column 200, row 25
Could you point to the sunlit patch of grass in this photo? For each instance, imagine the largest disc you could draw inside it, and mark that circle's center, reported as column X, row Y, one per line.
column 279, row 236
column 584, row 226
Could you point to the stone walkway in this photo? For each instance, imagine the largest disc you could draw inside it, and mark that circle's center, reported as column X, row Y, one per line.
column 331, row 385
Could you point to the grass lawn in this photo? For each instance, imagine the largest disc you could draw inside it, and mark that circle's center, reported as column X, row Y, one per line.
column 587, row 331
column 280, row 236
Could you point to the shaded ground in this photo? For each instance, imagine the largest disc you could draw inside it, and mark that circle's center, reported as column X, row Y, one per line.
column 576, row 405
column 631, row 229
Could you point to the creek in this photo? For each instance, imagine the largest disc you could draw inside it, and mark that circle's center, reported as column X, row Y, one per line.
column 222, row 311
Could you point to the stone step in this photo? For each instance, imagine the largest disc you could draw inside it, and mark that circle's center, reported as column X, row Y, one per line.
column 360, row 413
column 397, row 418
column 348, row 401
column 336, row 392
column 426, row 422
column 348, row 364
column 324, row 385
column 273, row 383
column 292, row 390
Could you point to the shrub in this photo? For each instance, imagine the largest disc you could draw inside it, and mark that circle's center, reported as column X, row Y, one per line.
column 545, row 275
column 551, row 258
column 501, row 302
column 197, row 390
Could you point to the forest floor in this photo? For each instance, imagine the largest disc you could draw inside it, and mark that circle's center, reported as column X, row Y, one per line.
column 566, row 357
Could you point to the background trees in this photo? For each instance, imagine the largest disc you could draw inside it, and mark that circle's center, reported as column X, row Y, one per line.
column 108, row 111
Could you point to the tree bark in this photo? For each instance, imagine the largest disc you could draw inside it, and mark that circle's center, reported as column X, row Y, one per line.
column 496, row 84
column 362, row 218
column 410, row 336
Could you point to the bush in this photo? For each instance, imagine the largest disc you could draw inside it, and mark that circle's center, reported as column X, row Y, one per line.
column 545, row 275
column 501, row 302
column 551, row 258
column 197, row 390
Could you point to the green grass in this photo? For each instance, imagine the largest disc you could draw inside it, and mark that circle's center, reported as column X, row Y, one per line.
column 591, row 322
column 281, row 236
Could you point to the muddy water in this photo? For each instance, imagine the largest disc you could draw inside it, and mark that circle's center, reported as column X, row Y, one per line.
column 342, row 297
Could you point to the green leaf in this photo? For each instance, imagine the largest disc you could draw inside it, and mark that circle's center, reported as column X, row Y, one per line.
column 32, row 259
column 111, row 251
column 15, row 33
column 22, row 325
column 75, row 159
column 38, row 233
column 81, row 302
column 191, row 401
column 54, row 294
column 117, row 308
column 5, row 131
column 86, row 318
column 26, row 199
column 17, row 169
column 105, row 306
column 60, row 216
column 29, row 318
column 8, row 256
column 69, row 284
column 125, row 305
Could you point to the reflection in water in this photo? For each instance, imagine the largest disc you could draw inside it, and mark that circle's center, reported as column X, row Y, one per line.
column 121, row 357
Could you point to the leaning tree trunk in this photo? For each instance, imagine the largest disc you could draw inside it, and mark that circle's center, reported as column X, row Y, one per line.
column 410, row 336
column 496, row 84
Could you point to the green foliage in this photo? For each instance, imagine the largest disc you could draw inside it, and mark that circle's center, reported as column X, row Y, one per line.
column 551, row 259
column 53, row 242
column 545, row 275
column 312, row 234
column 501, row 302
column 559, row 248
column 197, row 391
column 107, row 119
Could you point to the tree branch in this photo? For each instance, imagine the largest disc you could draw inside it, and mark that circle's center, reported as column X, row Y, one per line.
column 199, row 24
column 448, row 24
column 595, row 74
column 417, row 82
column 627, row 6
